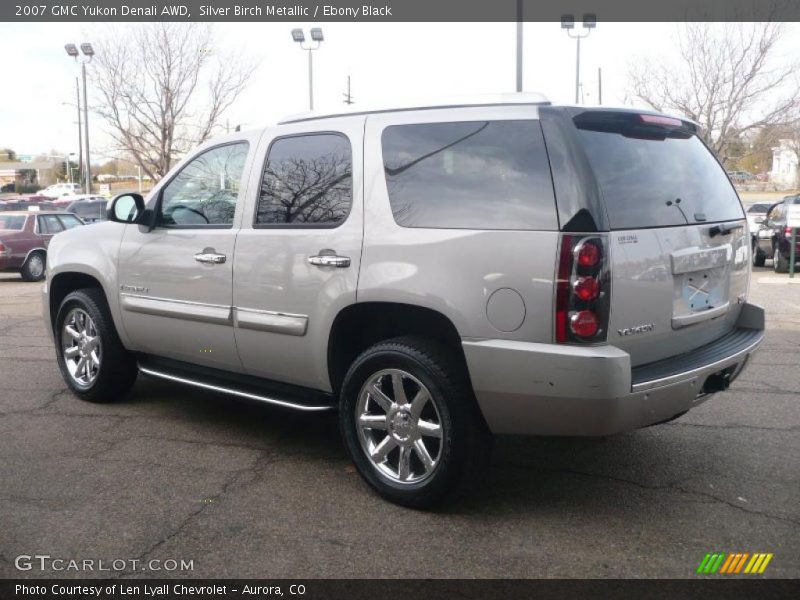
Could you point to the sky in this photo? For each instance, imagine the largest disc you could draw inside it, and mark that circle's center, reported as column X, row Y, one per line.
column 387, row 63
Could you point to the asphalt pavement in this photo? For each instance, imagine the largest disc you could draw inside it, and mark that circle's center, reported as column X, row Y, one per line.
column 244, row 490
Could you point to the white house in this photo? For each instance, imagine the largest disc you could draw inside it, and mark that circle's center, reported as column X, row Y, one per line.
column 784, row 165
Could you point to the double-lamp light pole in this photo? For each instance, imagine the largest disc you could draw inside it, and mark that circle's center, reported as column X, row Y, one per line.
column 316, row 39
column 87, row 54
column 568, row 25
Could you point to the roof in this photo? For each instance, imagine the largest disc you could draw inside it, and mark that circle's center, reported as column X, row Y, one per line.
column 519, row 98
column 33, row 212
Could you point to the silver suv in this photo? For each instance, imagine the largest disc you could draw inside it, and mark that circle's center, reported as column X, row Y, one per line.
column 436, row 274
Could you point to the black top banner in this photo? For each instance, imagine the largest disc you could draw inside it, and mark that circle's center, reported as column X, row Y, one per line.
column 397, row 10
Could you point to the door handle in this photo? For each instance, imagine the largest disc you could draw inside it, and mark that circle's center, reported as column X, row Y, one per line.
column 210, row 256
column 329, row 259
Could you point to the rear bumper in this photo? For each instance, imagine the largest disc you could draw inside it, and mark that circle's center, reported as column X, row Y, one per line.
column 547, row 389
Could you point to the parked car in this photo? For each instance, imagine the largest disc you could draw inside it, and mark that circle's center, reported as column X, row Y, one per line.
column 774, row 237
column 740, row 176
column 60, row 189
column 90, row 209
column 7, row 188
column 25, row 204
column 756, row 213
column 25, row 236
column 436, row 274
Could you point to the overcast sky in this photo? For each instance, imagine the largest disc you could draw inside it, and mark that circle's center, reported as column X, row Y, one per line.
column 387, row 63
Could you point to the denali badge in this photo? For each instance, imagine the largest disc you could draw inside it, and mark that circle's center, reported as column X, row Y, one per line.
column 647, row 327
column 134, row 288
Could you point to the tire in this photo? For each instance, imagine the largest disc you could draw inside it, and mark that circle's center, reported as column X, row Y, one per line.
column 779, row 262
column 33, row 269
column 455, row 436
column 111, row 368
column 758, row 256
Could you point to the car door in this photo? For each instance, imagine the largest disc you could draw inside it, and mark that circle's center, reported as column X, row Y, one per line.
column 175, row 280
column 299, row 249
column 46, row 227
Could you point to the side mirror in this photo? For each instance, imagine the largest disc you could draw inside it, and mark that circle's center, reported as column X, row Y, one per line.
column 126, row 208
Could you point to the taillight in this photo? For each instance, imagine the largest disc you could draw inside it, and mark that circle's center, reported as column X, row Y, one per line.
column 787, row 232
column 583, row 289
column 2, row 248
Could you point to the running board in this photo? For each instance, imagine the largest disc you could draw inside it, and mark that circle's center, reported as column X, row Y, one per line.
column 242, row 386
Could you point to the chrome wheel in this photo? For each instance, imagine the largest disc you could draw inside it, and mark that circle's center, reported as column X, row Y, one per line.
column 81, row 347
column 36, row 265
column 399, row 426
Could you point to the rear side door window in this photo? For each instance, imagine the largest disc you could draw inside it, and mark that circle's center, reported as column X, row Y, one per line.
column 205, row 192
column 50, row 224
column 307, row 182
column 469, row 175
column 69, row 221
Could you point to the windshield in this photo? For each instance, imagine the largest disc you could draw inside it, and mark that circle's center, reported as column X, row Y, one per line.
column 12, row 222
column 659, row 181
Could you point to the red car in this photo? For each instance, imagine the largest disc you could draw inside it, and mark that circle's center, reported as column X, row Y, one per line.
column 24, row 237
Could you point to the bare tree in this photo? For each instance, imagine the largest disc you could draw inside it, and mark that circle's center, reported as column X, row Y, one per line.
column 726, row 79
column 163, row 89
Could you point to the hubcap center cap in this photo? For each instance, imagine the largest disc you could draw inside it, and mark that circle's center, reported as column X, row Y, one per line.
column 401, row 426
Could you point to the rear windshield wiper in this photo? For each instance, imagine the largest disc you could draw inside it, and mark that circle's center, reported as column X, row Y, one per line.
column 723, row 229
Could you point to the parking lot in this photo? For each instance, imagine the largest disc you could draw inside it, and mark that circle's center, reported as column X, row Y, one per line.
column 245, row 490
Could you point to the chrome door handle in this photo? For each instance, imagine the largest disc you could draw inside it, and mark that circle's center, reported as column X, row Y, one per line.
column 210, row 257
column 329, row 260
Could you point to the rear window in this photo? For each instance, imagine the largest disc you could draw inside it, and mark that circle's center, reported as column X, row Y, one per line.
column 12, row 222
column 652, row 182
column 469, row 175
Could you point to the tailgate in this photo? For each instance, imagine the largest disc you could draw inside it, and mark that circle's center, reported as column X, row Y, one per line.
column 675, row 289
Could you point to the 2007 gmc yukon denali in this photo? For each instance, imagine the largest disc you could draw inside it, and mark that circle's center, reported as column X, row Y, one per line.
column 437, row 274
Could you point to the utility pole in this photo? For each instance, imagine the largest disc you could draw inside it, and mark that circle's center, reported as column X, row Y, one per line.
column 568, row 24
column 599, row 86
column 348, row 97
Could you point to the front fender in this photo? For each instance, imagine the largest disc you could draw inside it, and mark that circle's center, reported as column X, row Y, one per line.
column 92, row 251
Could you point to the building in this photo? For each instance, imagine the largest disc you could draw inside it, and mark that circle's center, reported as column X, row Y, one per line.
column 35, row 173
column 784, row 172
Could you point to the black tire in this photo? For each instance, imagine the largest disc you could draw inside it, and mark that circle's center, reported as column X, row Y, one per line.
column 779, row 262
column 33, row 269
column 758, row 256
column 465, row 443
column 117, row 370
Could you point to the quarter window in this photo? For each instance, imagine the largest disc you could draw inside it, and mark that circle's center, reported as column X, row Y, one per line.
column 307, row 181
column 206, row 190
column 469, row 175
column 69, row 221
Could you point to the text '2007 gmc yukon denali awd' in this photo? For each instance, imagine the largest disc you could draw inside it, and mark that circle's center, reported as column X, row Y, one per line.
column 437, row 274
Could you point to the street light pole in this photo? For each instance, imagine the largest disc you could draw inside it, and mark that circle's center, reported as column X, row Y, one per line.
column 80, row 133
column 568, row 24
column 317, row 39
column 88, row 184
column 519, row 45
column 88, row 54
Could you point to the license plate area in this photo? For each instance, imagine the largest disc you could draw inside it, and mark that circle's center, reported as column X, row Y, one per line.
column 701, row 284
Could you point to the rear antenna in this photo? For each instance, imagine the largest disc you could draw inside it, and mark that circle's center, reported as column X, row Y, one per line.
column 677, row 205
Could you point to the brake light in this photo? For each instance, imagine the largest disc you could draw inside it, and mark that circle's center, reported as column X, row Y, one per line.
column 787, row 232
column 659, row 120
column 584, row 323
column 2, row 248
column 582, row 289
column 586, row 288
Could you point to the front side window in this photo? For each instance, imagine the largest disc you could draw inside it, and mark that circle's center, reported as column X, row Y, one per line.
column 469, row 175
column 307, row 181
column 206, row 190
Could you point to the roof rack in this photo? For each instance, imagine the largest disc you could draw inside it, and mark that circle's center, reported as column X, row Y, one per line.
column 519, row 98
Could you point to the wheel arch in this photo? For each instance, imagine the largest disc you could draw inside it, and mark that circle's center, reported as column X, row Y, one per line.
column 65, row 282
column 360, row 325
